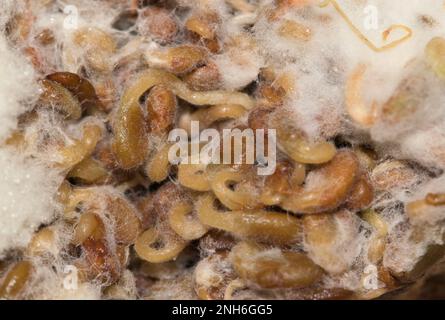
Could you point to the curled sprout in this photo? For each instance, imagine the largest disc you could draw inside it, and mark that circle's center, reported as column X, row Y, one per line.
column 362, row 37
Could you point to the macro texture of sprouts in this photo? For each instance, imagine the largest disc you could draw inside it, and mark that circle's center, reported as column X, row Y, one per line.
column 91, row 208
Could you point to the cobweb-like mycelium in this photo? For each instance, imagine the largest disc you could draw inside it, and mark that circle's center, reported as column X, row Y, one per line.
column 91, row 207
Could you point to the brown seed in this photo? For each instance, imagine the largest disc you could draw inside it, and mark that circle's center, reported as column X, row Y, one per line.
column 205, row 78
column 212, row 45
column 361, row 196
column 259, row 118
column 105, row 156
column 216, row 241
column 393, row 175
column 161, row 110
column 159, row 24
column 125, row 220
column 107, row 94
column 57, row 96
column 36, row 58
column 46, row 37
column 81, row 88
column 273, row 95
column 203, row 24
column 183, row 59
column 98, row 262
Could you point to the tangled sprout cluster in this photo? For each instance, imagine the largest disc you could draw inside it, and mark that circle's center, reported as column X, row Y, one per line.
column 91, row 208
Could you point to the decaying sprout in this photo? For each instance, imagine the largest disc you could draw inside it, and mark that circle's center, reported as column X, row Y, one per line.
column 125, row 219
column 194, row 176
column 208, row 116
column 156, row 247
column 232, row 288
column 433, row 255
column 280, row 7
column 259, row 118
column 179, row 288
column 261, row 225
column 303, row 151
column 276, row 86
column 421, row 242
column 168, row 270
column 216, row 241
column 99, row 205
column 130, row 144
column 426, row 211
column 98, row 46
column 385, row 34
column 273, row 268
column 356, row 107
column 44, row 241
column 45, row 37
column 58, row 97
column 15, row 280
column 361, row 195
column 327, row 187
column 80, row 87
column 90, row 171
column 89, row 225
column 378, row 240
column 279, row 185
column 184, row 222
column 434, row 52
column 226, row 185
column 367, row 157
column 326, row 235
column 80, row 149
column 154, row 207
column 158, row 166
column 203, row 28
column 169, row 222
column 124, row 289
column 152, row 77
column 407, row 99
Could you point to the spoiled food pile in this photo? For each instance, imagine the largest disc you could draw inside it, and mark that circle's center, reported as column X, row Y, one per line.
column 91, row 208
